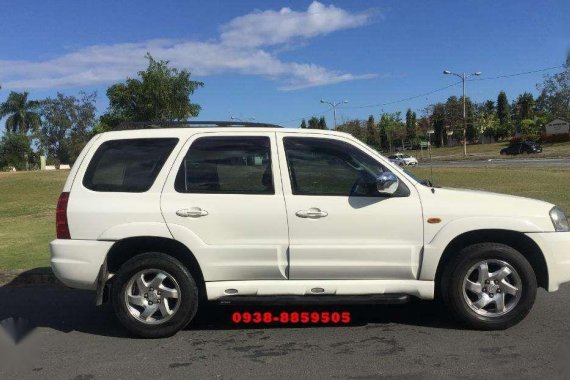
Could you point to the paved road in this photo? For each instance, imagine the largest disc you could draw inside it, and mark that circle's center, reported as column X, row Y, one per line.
column 513, row 162
column 76, row 340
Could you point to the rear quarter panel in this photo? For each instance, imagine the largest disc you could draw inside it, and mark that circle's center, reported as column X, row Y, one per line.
column 96, row 215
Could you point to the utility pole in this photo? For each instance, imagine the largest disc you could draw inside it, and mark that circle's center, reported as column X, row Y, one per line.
column 334, row 105
column 463, row 77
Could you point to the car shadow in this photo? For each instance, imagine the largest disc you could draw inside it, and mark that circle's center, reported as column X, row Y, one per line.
column 66, row 310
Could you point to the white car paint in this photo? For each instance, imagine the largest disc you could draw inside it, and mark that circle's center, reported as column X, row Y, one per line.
column 255, row 244
column 243, row 237
column 360, row 238
column 77, row 262
column 403, row 159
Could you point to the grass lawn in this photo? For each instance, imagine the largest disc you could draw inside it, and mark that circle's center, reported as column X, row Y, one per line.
column 27, row 217
column 28, row 200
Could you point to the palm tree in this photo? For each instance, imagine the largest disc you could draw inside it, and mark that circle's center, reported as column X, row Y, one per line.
column 22, row 113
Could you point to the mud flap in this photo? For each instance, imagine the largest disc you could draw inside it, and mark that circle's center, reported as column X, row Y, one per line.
column 102, row 278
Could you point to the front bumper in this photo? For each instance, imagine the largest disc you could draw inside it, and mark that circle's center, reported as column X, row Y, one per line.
column 77, row 263
column 556, row 249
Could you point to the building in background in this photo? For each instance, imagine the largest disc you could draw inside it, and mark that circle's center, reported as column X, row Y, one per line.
column 556, row 127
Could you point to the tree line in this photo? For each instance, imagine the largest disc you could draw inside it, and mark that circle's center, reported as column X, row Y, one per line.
column 59, row 127
column 491, row 120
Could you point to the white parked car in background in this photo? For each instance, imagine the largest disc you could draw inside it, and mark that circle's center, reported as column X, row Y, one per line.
column 402, row 159
column 163, row 220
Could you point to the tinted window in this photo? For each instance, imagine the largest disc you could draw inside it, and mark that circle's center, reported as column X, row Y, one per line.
column 330, row 167
column 227, row 165
column 127, row 165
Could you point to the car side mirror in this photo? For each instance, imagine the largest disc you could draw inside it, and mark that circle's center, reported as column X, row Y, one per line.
column 387, row 183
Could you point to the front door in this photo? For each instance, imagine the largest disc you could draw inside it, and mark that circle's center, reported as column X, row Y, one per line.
column 223, row 199
column 339, row 225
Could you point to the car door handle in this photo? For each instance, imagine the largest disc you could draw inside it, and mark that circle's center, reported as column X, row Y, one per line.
column 194, row 212
column 312, row 213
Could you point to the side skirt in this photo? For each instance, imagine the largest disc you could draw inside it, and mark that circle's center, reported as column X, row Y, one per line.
column 319, row 288
column 314, row 300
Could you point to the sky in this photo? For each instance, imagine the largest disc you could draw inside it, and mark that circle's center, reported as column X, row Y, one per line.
column 273, row 61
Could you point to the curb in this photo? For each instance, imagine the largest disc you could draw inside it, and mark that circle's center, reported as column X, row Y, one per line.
column 25, row 277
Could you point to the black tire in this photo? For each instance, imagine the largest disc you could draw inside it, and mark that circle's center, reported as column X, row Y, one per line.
column 451, row 286
column 188, row 297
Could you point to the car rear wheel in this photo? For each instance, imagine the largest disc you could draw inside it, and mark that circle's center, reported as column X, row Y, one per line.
column 154, row 295
column 489, row 286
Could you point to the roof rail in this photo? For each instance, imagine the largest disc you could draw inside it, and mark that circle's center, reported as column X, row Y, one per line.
column 192, row 124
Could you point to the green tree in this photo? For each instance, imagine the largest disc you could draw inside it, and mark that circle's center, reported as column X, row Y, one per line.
column 554, row 96
column 392, row 127
column 529, row 129
column 438, row 118
column 161, row 93
column 503, row 112
column 371, row 135
column 67, row 124
column 15, row 151
column 303, row 124
column 411, row 124
column 322, row 123
column 486, row 119
column 524, row 108
column 454, row 118
column 314, row 123
column 354, row 127
column 21, row 113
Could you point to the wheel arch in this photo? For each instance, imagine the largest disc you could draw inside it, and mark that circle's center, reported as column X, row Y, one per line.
column 517, row 240
column 127, row 248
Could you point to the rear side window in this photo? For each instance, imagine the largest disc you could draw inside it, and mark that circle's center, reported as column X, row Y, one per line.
column 227, row 165
column 127, row 165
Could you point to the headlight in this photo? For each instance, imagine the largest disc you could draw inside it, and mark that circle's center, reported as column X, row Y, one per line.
column 559, row 219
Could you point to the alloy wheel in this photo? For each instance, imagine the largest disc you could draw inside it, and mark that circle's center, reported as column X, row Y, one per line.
column 152, row 296
column 492, row 288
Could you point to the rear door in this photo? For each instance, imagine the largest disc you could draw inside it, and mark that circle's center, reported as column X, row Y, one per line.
column 223, row 199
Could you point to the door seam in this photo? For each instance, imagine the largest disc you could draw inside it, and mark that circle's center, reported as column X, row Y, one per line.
column 287, row 251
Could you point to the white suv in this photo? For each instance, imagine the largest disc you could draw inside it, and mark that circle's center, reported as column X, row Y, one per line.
column 167, row 219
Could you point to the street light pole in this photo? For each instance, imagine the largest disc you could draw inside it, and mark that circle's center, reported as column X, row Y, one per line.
column 463, row 77
column 334, row 105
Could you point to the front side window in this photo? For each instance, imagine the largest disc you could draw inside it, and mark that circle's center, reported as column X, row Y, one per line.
column 129, row 165
column 320, row 166
column 227, row 165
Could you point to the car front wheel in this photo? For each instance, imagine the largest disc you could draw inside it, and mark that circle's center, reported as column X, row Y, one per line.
column 154, row 295
column 489, row 286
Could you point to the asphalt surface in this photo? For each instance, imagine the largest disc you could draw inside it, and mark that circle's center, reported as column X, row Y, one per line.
column 512, row 162
column 73, row 339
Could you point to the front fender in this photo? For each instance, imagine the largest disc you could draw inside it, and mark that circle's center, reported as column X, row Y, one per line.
column 433, row 250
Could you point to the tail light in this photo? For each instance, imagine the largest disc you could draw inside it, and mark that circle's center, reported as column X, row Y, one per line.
column 61, row 227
